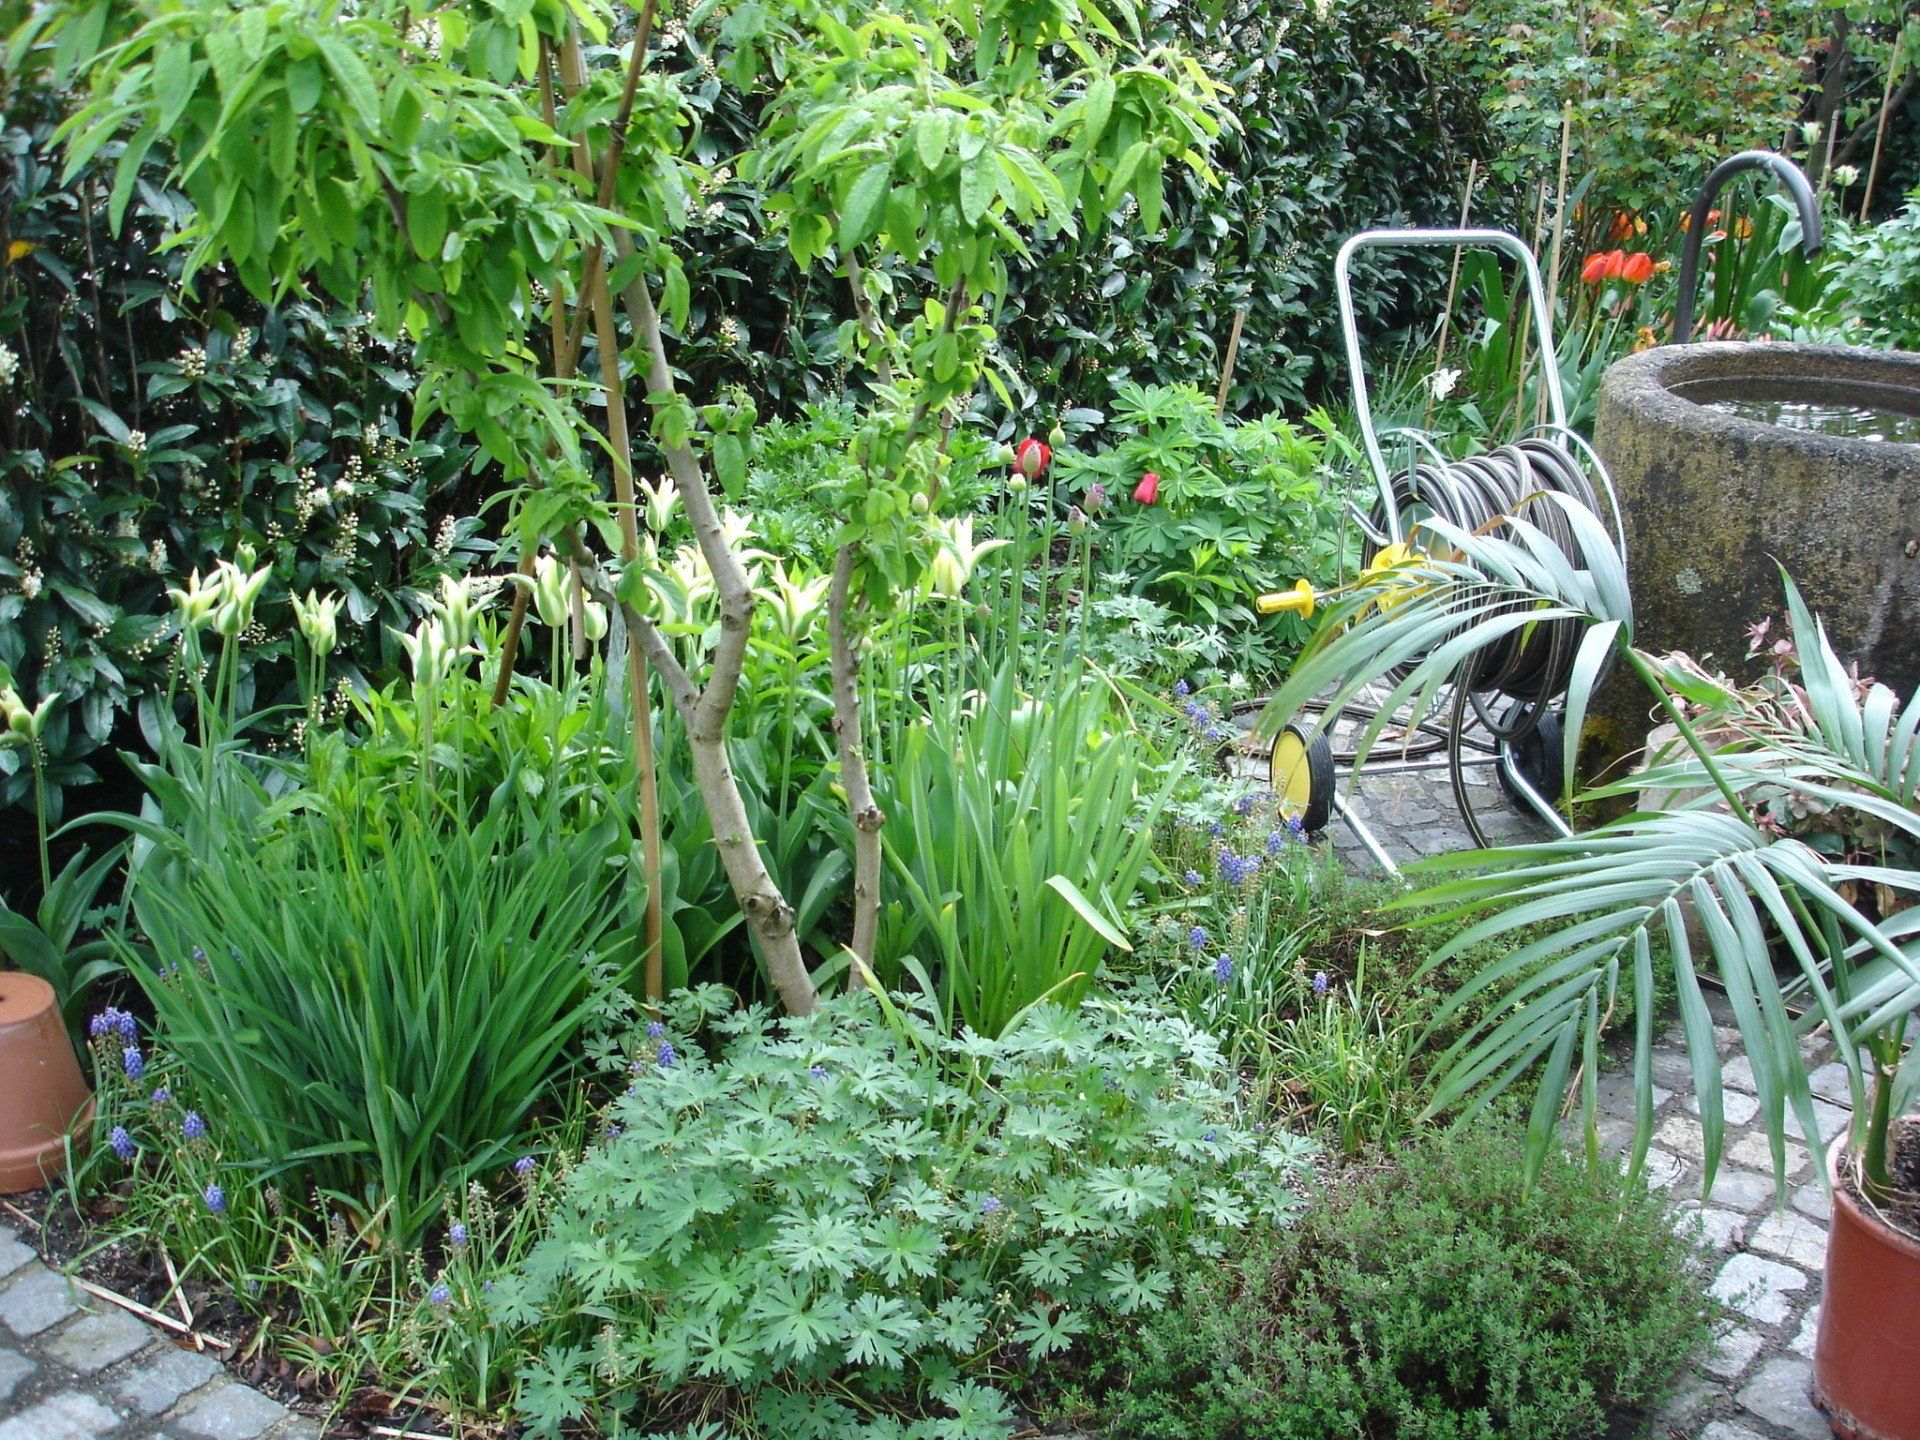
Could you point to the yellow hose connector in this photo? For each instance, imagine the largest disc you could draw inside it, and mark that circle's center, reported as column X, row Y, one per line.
column 1302, row 598
column 1299, row 600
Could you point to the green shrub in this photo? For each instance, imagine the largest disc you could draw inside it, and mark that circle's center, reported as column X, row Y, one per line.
column 146, row 432
column 855, row 1213
column 1241, row 509
column 1437, row 1297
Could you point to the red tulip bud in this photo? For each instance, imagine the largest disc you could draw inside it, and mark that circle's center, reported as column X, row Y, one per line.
column 1147, row 492
column 1638, row 268
column 1030, row 457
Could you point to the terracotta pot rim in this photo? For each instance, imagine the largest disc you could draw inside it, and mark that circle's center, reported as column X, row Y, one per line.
column 1898, row 1240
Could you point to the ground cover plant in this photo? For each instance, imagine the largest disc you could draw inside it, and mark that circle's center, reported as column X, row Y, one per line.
column 827, row 1222
column 1433, row 1294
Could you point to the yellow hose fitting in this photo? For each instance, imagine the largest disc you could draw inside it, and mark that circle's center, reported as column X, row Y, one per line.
column 1299, row 600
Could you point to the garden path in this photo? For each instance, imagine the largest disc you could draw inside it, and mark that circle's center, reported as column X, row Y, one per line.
column 1768, row 1248
column 74, row 1367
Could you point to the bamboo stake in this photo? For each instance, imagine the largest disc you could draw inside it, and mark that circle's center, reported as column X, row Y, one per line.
column 1226, row 366
column 1453, row 275
column 1880, row 134
column 1553, row 261
column 599, row 302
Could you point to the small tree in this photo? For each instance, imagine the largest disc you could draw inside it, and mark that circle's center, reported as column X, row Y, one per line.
column 456, row 162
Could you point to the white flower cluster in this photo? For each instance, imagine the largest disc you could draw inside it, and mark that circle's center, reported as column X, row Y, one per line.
column 9, row 366
column 192, row 361
column 732, row 333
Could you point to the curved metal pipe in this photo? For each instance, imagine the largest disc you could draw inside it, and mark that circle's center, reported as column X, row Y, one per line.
column 1790, row 176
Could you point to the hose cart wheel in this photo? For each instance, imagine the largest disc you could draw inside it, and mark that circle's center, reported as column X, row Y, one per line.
column 1539, row 755
column 1303, row 777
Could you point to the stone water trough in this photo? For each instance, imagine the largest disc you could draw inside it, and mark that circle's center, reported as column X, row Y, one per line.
column 1729, row 457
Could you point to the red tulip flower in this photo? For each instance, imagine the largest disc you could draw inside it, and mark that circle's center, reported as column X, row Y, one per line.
column 1637, row 269
column 1603, row 267
column 1147, row 492
column 1031, row 457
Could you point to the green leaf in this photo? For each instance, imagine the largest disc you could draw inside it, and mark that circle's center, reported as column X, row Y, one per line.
column 427, row 223
column 730, row 464
column 979, row 184
column 1088, row 911
column 866, row 196
column 1098, row 105
column 355, row 81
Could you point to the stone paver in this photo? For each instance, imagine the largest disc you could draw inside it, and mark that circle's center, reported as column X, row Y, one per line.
column 93, row 1342
column 70, row 1415
column 1769, row 1245
column 153, row 1383
column 76, row 1368
column 1778, row 1394
column 233, row 1412
column 35, row 1300
column 14, row 1369
column 1759, row 1288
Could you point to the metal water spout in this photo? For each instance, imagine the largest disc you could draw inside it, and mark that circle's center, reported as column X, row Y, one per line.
column 1788, row 174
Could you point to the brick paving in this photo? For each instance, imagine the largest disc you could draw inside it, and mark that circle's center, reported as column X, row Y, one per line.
column 73, row 1367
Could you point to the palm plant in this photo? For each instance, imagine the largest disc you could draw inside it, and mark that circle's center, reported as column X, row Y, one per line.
column 1607, row 898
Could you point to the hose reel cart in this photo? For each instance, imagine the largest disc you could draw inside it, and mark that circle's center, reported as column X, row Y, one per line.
column 1502, row 701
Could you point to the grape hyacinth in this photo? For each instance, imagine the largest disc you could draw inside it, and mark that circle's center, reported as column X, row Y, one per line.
column 114, row 1021
column 1197, row 937
column 1321, row 983
column 1193, row 877
column 133, row 1062
column 990, row 1206
column 1223, row 969
column 524, row 1165
column 1238, row 869
column 192, row 1126
column 122, row 1142
column 667, row 1058
column 440, row 1294
column 1181, row 689
column 216, row 1198
column 161, row 1095
column 457, row 1234
column 655, row 1030
column 818, row 1072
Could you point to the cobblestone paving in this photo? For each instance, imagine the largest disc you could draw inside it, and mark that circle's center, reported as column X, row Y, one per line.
column 73, row 1367
column 1769, row 1249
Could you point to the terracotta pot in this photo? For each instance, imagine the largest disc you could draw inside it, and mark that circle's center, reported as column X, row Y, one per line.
column 1866, row 1361
column 42, row 1094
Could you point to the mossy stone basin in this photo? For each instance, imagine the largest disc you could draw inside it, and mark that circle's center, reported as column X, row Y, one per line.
column 1730, row 457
